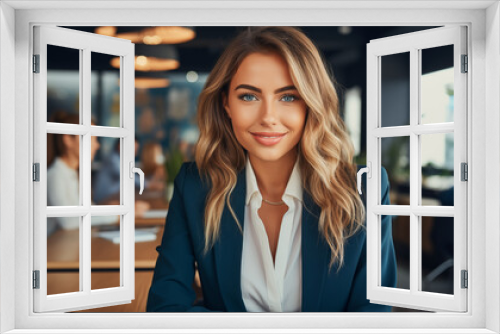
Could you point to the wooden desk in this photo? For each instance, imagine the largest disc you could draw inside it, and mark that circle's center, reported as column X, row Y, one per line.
column 143, row 222
column 60, row 282
column 156, row 202
column 63, row 251
column 63, row 266
column 63, row 262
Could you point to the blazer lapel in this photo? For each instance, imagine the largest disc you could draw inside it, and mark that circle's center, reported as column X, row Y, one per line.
column 315, row 256
column 229, row 247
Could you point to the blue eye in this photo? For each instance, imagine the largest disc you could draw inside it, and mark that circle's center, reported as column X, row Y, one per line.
column 288, row 98
column 247, row 97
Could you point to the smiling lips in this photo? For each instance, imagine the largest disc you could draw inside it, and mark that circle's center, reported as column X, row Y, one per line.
column 268, row 138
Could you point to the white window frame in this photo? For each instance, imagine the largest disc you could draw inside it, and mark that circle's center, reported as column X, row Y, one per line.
column 482, row 18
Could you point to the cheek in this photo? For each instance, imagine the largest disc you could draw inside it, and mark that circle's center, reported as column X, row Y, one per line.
column 243, row 118
column 241, row 124
column 296, row 120
column 94, row 144
column 239, row 129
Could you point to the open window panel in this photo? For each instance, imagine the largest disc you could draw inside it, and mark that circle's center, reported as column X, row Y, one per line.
column 63, row 203
column 416, row 131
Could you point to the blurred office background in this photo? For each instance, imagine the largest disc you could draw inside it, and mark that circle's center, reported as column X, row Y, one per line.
column 172, row 64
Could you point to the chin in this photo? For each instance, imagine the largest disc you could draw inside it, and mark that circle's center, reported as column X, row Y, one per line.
column 268, row 156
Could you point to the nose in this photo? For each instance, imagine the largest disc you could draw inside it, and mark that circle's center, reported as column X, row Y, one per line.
column 269, row 113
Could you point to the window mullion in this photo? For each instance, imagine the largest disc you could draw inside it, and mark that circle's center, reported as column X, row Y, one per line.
column 415, row 193
column 107, row 131
column 65, row 128
column 108, row 210
column 85, row 171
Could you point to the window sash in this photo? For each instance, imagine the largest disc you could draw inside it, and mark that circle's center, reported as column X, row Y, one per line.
column 413, row 43
column 86, row 43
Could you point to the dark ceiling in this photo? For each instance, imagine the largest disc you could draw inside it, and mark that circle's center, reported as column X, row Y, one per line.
column 345, row 53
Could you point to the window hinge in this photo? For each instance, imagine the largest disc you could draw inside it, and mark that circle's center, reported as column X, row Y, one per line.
column 465, row 64
column 465, row 171
column 36, row 63
column 36, row 172
column 36, row 279
column 465, row 279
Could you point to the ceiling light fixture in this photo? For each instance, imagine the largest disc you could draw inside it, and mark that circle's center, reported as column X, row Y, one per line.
column 167, row 35
column 151, row 35
column 153, row 58
column 106, row 31
column 148, row 83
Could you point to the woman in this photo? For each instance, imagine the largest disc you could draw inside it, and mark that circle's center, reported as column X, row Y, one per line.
column 270, row 211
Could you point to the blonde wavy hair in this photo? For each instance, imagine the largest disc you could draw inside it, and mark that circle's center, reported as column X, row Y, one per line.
column 325, row 151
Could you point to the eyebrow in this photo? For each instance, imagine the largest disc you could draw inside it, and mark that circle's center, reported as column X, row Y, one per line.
column 258, row 90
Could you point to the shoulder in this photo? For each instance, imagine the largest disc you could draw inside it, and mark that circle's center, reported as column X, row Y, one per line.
column 188, row 170
column 56, row 168
column 189, row 177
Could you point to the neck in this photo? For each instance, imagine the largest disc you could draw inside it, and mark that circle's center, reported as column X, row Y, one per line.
column 70, row 161
column 272, row 176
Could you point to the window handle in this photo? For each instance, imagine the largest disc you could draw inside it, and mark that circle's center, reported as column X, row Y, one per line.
column 133, row 170
column 367, row 170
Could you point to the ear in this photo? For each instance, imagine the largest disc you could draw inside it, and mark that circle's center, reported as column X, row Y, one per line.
column 224, row 103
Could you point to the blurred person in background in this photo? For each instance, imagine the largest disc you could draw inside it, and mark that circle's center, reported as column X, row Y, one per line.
column 106, row 189
column 63, row 161
column 188, row 138
column 152, row 160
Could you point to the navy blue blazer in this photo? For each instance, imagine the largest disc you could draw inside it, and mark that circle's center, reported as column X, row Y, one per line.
column 220, row 269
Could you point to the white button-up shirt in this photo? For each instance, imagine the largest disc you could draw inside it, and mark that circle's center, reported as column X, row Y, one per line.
column 268, row 286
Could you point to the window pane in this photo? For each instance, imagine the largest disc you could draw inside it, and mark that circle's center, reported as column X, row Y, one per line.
column 401, row 239
column 105, row 89
column 63, row 85
column 395, row 77
column 395, row 158
column 437, row 85
column 106, row 174
column 63, row 165
column 63, row 254
column 105, row 252
column 437, row 169
column 437, row 254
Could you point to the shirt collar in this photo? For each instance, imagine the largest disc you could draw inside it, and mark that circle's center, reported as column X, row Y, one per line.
column 293, row 187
